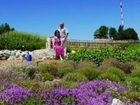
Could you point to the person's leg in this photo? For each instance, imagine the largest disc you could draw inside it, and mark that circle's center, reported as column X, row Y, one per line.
column 60, row 57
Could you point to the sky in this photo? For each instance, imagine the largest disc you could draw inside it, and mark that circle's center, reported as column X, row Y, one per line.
column 81, row 17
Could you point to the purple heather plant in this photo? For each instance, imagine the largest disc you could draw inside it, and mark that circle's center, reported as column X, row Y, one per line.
column 90, row 93
column 4, row 85
column 14, row 94
column 97, row 92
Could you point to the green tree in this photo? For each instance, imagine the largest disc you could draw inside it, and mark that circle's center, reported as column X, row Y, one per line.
column 112, row 32
column 103, row 30
column 101, row 33
column 5, row 28
column 120, row 29
column 97, row 34
column 130, row 34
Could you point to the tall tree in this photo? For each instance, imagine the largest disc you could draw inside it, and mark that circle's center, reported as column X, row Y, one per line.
column 130, row 34
column 120, row 29
column 97, row 34
column 5, row 28
column 112, row 32
column 103, row 30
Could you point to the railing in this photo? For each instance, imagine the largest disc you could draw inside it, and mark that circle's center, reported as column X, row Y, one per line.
column 97, row 43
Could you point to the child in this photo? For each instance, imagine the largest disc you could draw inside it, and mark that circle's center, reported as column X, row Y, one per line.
column 28, row 58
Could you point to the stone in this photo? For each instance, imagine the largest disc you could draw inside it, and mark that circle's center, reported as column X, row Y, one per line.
column 12, row 58
column 116, row 101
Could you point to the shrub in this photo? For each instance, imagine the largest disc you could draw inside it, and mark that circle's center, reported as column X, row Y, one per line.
column 91, row 74
column 64, row 71
column 21, row 41
column 133, row 82
column 132, row 95
column 49, row 68
column 26, row 83
column 32, row 101
column 31, row 71
column 2, row 102
column 10, row 75
column 69, row 99
column 67, row 64
column 115, row 71
column 47, row 76
column 109, row 76
column 127, row 68
column 69, row 84
column 76, row 77
column 135, row 73
column 107, row 63
column 68, row 49
column 86, row 65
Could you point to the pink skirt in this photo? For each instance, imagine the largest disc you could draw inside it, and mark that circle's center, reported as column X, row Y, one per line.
column 59, row 50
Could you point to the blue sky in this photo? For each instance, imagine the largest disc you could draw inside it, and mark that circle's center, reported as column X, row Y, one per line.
column 81, row 17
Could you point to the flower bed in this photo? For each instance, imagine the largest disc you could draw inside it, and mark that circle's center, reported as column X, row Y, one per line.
column 97, row 92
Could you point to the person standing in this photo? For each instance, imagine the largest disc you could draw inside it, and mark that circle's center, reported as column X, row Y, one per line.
column 57, row 46
column 64, row 34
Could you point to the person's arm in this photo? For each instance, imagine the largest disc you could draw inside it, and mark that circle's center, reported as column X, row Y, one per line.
column 53, row 41
column 65, row 39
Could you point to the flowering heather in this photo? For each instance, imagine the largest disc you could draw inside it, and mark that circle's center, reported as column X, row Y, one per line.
column 10, row 74
column 96, row 92
column 4, row 85
column 14, row 94
column 90, row 93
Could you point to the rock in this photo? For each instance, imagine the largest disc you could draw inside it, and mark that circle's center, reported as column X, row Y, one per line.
column 116, row 101
column 54, row 83
column 43, row 53
column 36, row 54
column 73, row 52
column 50, row 53
column 12, row 58
column 18, row 53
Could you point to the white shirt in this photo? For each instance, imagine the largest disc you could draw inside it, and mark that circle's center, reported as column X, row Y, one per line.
column 63, row 32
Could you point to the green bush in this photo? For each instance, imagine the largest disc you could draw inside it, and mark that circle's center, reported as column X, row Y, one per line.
column 2, row 102
column 21, row 41
column 109, row 76
column 136, row 71
column 115, row 71
column 69, row 84
column 133, row 82
column 32, row 101
column 70, row 100
column 64, row 71
column 68, row 49
column 26, row 83
column 69, row 64
column 86, row 65
column 27, row 70
column 51, row 68
column 76, row 77
column 99, row 55
column 132, row 95
column 91, row 74
column 47, row 76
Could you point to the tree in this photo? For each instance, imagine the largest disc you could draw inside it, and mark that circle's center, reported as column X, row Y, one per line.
column 120, row 29
column 101, row 33
column 112, row 32
column 103, row 30
column 5, row 28
column 130, row 34
column 97, row 34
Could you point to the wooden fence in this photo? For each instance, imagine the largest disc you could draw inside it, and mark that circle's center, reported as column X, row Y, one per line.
column 96, row 43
